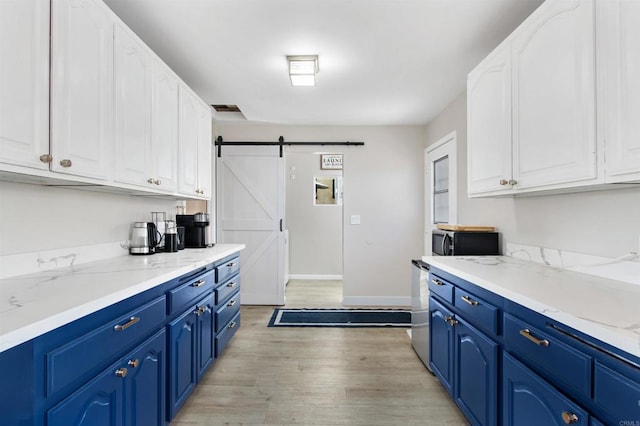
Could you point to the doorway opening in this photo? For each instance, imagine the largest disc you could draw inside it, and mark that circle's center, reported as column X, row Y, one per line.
column 314, row 217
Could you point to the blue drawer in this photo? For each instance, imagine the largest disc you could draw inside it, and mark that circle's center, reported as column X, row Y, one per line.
column 225, row 290
column 184, row 295
column 227, row 269
column 223, row 338
column 227, row 311
column 476, row 310
column 617, row 392
column 441, row 288
column 69, row 363
column 558, row 362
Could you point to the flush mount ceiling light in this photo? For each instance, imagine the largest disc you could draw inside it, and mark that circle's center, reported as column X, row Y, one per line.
column 303, row 70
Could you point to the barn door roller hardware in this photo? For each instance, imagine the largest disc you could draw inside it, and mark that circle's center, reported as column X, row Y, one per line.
column 220, row 142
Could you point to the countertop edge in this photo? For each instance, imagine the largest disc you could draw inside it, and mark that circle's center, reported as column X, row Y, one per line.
column 24, row 334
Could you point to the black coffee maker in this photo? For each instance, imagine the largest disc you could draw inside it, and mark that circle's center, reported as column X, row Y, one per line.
column 195, row 229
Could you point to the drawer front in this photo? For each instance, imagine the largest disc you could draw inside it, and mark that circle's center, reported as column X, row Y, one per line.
column 74, row 360
column 227, row 311
column 617, row 392
column 226, row 289
column 227, row 269
column 476, row 310
column 223, row 338
column 556, row 360
column 183, row 295
column 441, row 288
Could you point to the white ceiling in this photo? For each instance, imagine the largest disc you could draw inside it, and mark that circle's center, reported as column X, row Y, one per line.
column 382, row 62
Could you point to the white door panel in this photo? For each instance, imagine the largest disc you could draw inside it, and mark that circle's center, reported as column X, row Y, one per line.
column 250, row 204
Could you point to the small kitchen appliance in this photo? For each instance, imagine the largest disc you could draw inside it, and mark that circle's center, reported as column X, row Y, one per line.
column 195, row 229
column 143, row 238
column 171, row 237
column 464, row 243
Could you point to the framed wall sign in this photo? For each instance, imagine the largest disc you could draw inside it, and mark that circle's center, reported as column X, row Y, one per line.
column 331, row 161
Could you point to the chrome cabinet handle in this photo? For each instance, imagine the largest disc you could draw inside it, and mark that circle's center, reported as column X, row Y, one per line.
column 121, row 372
column 66, row 163
column 526, row 333
column 504, row 182
column 233, row 302
column 158, row 182
column 150, row 180
column 197, row 283
column 450, row 320
column 569, row 418
column 469, row 300
column 231, row 284
column 200, row 310
column 512, row 182
column 132, row 321
column 46, row 158
column 437, row 282
column 133, row 363
column 231, row 324
column 230, row 264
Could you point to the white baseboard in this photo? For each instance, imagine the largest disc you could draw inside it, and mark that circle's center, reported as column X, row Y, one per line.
column 314, row 277
column 376, row 301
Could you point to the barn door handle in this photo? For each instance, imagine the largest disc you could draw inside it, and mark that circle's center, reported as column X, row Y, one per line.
column 280, row 225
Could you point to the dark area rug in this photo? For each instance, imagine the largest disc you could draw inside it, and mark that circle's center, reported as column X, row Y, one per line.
column 311, row 317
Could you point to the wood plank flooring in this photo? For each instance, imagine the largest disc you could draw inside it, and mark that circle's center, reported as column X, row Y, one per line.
column 317, row 376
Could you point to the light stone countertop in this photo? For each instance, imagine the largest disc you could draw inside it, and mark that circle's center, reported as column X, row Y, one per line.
column 34, row 304
column 605, row 309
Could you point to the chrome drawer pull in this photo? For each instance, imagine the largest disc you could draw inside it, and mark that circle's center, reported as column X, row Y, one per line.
column 121, row 372
column 569, row 418
column 525, row 332
column 201, row 310
column 133, row 363
column 437, row 282
column 231, row 324
column 452, row 321
column 233, row 302
column 230, row 265
column 197, row 283
column 231, row 284
column 469, row 300
column 132, row 321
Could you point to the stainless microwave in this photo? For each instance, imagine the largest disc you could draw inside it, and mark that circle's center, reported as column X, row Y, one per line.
column 464, row 243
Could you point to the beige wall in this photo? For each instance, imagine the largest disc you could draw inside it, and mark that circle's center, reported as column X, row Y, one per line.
column 604, row 223
column 34, row 217
column 315, row 232
column 383, row 184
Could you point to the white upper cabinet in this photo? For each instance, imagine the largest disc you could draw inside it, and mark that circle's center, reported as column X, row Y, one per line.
column 164, row 128
column 188, row 144
column 24, row 82
column 82, row 88
column 204, row 151
column 619, row 87
column 132, row 130
column 489, row 123
column 554, row 95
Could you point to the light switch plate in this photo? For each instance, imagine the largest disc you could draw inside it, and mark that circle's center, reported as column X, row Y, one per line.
column 355, row 219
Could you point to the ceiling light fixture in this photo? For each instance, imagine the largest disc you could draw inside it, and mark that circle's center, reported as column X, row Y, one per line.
column 303, row 70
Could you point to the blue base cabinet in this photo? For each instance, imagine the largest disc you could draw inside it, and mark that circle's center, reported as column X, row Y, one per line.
column 530, row 401
column 441, row 335
column 182, row 367
column 130, row 392
column 476, row 380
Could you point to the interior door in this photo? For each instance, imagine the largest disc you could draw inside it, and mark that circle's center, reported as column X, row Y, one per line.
column 440, row 185
column 250, row 203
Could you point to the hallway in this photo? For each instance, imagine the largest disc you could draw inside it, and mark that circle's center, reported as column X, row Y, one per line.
column 320, row 376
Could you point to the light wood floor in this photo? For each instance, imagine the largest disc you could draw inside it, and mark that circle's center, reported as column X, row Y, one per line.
column 318, row 376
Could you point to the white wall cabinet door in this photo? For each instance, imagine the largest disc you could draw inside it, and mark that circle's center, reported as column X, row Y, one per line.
column 204, row 151
column 82, row 88
column 489, row 123
column 24, row 82
column 188, row 144
column 619, row 87
column 164, row 129
column 132, row 80
column 554, row 95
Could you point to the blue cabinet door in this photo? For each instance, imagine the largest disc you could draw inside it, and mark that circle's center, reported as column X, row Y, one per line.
column 206, row 326
column 441, row 334
column 98, row 403
column 476, row 374
column 145, row 391
column 182, row 360
column 527, row 400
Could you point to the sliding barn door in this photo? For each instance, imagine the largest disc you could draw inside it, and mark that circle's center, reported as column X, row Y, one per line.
column 250, row 204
